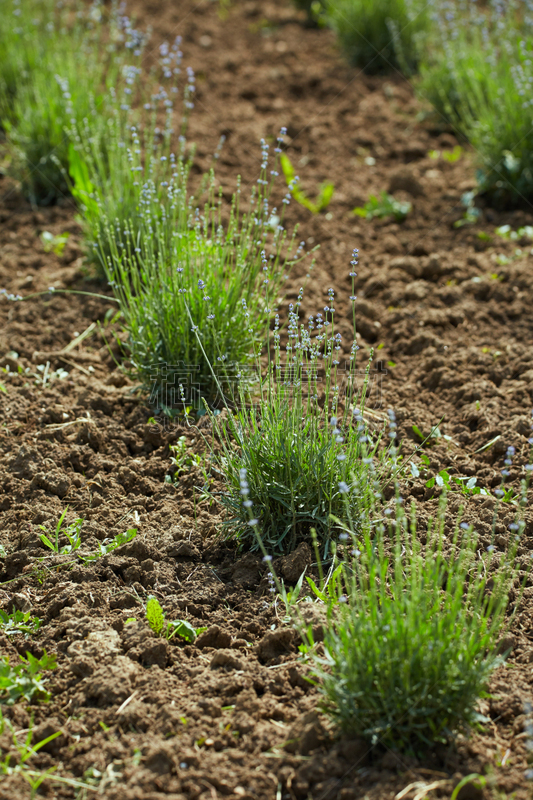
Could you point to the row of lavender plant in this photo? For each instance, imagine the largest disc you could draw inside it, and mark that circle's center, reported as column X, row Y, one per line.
column 411, row 632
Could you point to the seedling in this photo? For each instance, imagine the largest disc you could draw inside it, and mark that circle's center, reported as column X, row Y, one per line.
column 25, row 751
column 19, row 622
column 325, row 192
column 72, row 533
column 184, row 460
column 451, row 156
column 108, row 545
column 433, row 435
column 506, row 232
column 384, row 206
column 45, row 375
column 467, row 486
column 55, row 244
column 472, row 213
column 155, row 616
column 24, row 680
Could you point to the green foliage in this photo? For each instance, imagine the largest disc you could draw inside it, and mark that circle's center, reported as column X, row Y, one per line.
column 288, row 452
column 53, row 58
column 24, row 680
column 380, row 35
column 314, row 9
column 19, row 622
column 506, row 232
column 478, row 77
column 25, row 750
column 155, row 616
column 325, row 192
column 55, row 244
column 384, row 206
column 451, row 156
column 465, row 485
column 71, row 532
column 412, row 629
column 108, row 545
column 472, row 213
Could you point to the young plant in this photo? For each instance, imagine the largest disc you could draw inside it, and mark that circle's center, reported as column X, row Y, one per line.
column 19, row 622
column 24, row 680
column 380, row 35
column 25, row 750
column 325, row 192
column 285, row 452
column 184, row 461
column 384, row 206
column 412, row 629
column 71, row 532
column 108, row 545
column 54, row 244
column 155, row 616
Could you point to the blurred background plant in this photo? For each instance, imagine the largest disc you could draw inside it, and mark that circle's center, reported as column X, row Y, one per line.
column 479, row 78
column 57, row 61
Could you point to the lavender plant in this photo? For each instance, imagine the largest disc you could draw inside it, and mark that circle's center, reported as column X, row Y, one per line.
column 479, row 77
column 188, row 284
column 129, row 184
column 380, row 36
column 414, row 620
column 286, row 451
column 55, row 57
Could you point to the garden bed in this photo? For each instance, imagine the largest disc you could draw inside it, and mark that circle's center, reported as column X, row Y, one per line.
column 448, row 314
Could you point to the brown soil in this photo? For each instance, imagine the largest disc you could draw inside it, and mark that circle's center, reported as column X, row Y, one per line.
column 453, row 333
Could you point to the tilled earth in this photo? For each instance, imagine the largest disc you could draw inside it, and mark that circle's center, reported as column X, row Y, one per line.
column 449, row 315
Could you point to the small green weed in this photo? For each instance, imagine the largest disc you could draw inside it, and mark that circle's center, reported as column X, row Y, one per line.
column 24, row 680
column 108, row 545
column 19, row 622
column 54, row 244
column 325, row 192
column 465, row 485
column 45, row 376
column 506, row 232
column 384, row 206
column 472, row 213
column 451, row 156
column 71, row 532
column 155, row 616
